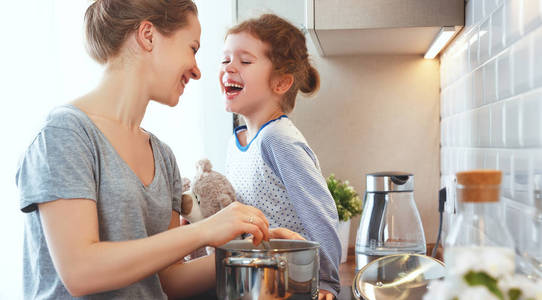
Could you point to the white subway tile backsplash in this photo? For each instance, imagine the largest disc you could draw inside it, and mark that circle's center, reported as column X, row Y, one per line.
column 472, row 128
column 478, row 88
column 522, row 178
column 483, row 40
column 513, row 14
column 484, row 127
column 497, row 125
column 497, row 30
column 492, row 159
column 491, row 82
column 532, row 119
column 444, row 162
column 531, row 14
column 473, row 49
column 478, row 13
column 537, row 180
column 537, row 57
column 479, row 156
column 505, row 165
column 505, row 76
column 489, row 7
column 469, row 14
column 467, row 102
column 512, row 121
column 521, row 66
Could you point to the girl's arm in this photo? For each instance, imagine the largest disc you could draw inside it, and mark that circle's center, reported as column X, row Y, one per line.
column 295, row 163
column 87, row 265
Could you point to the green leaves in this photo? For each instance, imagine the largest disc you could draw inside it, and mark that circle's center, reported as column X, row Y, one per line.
column 481, row 278
column 514, row 294
column 346, row 199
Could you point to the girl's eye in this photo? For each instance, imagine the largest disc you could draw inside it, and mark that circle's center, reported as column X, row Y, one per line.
column 226, row 61
column 246, row 62
column 195, row 50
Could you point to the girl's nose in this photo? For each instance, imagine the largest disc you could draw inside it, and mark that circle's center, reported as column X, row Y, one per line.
column 230, row 68
column 196, row 73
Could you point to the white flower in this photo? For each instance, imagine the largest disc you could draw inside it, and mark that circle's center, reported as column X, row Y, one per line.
column 495, row 261
column 529, row 288
column 439, row 290
column 476, row 292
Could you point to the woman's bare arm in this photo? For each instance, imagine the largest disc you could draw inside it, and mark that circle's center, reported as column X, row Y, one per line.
column 87, row 265
column 184, row 279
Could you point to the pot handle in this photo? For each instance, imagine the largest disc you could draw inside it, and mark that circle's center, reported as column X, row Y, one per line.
column 277, row 262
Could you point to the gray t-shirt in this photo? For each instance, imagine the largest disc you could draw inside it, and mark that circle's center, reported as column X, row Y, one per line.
column 71, row 158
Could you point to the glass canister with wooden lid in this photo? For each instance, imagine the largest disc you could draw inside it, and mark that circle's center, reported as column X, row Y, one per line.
column 478, row 237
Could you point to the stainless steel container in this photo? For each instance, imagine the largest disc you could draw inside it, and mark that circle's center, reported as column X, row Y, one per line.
column 288, row 269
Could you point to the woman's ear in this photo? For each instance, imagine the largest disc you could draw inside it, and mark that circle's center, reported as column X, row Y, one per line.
column 144, row 35
column 282, row 83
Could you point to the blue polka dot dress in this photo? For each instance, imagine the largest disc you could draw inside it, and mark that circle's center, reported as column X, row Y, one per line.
column 278, row 173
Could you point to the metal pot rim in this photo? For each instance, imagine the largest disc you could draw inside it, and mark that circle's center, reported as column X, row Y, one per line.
column 305, row 245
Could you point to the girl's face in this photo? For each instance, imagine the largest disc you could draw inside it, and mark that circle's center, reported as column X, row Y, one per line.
column 245, row 74
column 174, row 62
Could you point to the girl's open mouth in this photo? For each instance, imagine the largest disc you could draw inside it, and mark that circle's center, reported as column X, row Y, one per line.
column 232, row 89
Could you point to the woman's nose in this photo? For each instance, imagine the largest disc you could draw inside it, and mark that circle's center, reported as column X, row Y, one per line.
column 196, row 73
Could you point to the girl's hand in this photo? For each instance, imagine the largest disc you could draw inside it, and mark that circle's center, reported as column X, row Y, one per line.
column 325, row 295
column 184, row 221
column 232, row 221
column 285, row 234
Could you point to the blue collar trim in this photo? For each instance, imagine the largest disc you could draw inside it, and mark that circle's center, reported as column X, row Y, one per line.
column 244, row 127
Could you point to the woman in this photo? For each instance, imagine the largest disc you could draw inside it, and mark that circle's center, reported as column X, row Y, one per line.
column 101, row 195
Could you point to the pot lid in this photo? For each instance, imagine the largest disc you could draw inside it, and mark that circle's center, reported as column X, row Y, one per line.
column 275, row 245
column 400, row 276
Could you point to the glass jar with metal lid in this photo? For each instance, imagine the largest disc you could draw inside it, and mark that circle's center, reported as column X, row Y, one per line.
column 390, row 222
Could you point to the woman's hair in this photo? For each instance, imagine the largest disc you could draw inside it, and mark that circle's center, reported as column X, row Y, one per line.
column 109, row 22
column 287, row 51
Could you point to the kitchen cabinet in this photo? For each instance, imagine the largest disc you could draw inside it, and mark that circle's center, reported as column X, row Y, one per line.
column 348, row 27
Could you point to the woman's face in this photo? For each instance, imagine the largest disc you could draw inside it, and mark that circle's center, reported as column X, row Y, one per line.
column 174, row 62
column 245, row 73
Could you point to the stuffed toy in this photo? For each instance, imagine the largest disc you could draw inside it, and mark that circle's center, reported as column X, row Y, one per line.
column 209, row 192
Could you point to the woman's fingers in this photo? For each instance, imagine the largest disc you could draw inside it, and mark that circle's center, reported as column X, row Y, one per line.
column 261, row 227
column 257, row 234
column 325, row 295
column 258, row 213
column 283, row 233
column 234, row 220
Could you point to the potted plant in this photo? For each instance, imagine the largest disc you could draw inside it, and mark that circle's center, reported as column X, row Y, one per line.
column 348, row 206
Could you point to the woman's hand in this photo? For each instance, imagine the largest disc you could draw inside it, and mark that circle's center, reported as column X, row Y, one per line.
column 285, row 234
column 232, row 221
column 325, row 295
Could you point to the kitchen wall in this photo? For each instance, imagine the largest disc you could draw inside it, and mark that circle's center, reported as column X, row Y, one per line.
column 491, row 108
column 376, row 113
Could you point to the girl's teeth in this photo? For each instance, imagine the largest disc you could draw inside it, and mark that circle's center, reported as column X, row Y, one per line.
column 233, row 85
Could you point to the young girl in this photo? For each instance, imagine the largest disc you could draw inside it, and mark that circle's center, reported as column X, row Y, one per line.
column 269, row 163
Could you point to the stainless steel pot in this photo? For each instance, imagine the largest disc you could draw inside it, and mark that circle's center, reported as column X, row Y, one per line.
column 287, row 270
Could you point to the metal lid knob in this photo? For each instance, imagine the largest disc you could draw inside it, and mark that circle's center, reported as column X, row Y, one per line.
column 380, row 182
